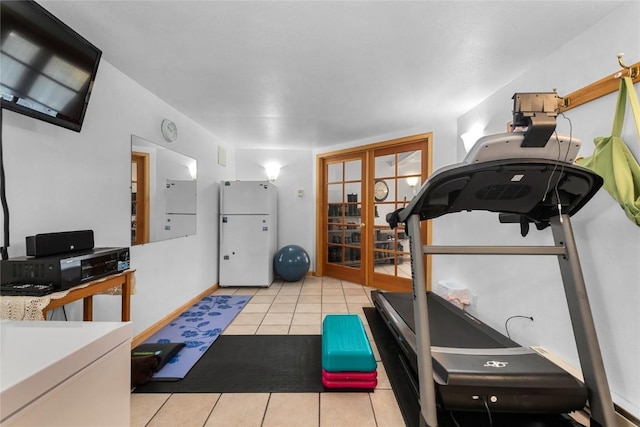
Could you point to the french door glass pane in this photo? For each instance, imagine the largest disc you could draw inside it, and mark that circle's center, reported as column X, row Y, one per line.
column 352, row 192
column 344, row 195
column 408, row 187
column 401, row 172
column 385, row 166
column 334, row 193
column 353, row 170
column 409, row 163
column 334, row 172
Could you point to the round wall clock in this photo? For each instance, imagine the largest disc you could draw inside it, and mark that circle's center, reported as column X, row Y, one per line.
column 169, row 130
column 380, row 191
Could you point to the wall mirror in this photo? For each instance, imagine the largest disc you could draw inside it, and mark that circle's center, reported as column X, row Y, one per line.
column 163, row 193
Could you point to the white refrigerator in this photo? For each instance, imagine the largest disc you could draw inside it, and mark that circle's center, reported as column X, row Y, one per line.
column 248, row 233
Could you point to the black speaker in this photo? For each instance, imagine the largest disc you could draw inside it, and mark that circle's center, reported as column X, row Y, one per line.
column 59, row 243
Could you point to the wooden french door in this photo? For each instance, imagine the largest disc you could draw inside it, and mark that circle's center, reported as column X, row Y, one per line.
column 357, row 188
column 345, row 216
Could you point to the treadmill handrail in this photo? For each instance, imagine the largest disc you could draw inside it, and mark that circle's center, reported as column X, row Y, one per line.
column 493, row 250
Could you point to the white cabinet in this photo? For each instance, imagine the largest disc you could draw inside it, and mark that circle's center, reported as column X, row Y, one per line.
column 65, row 373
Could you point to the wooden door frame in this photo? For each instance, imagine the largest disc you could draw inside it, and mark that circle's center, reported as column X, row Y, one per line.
column 368, row 150
column 142, row 197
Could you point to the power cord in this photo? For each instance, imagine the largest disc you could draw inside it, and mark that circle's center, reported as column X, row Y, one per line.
column 566, row 154
column 64, row 313
column 454, row 419
column 506, row 322
column 4, row 251
column 486, row 406
column 559, row 161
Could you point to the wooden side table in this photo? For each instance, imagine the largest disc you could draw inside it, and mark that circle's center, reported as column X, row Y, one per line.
column 86, row 292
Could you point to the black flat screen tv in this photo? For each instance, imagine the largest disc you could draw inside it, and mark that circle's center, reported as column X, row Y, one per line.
column 47, row 70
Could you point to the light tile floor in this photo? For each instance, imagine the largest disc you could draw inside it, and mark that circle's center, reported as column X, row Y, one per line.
column 281, row 309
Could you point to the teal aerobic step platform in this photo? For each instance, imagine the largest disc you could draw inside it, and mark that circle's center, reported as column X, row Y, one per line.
column 345, row 346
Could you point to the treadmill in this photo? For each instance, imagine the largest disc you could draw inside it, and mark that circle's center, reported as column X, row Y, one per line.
column 527, row 177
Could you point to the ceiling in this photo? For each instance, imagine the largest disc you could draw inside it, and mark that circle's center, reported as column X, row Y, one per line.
column 312, row 74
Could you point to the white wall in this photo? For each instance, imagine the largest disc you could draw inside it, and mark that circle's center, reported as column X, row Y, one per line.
column 608, row 243
column 59, row 180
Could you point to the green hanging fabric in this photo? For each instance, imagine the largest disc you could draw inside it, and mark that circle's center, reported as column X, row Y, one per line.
column 613, row 160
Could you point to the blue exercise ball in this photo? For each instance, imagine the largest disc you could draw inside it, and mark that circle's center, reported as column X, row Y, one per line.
column 291, row 263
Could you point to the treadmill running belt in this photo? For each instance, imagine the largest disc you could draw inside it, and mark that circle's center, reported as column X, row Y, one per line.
column 449, row 330
column 473, row 363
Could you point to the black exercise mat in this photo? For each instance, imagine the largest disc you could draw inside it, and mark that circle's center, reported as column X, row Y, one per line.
column 390, row 353
column 252, row 364
column 407, row 396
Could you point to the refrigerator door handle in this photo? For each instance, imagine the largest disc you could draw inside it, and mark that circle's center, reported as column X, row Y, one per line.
column 223, row 220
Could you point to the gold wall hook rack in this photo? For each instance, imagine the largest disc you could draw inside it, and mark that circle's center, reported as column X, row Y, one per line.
column 602, row 87
column 627, row 71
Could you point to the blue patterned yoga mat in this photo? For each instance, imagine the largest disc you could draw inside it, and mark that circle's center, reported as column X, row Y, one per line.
column 198, row 328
